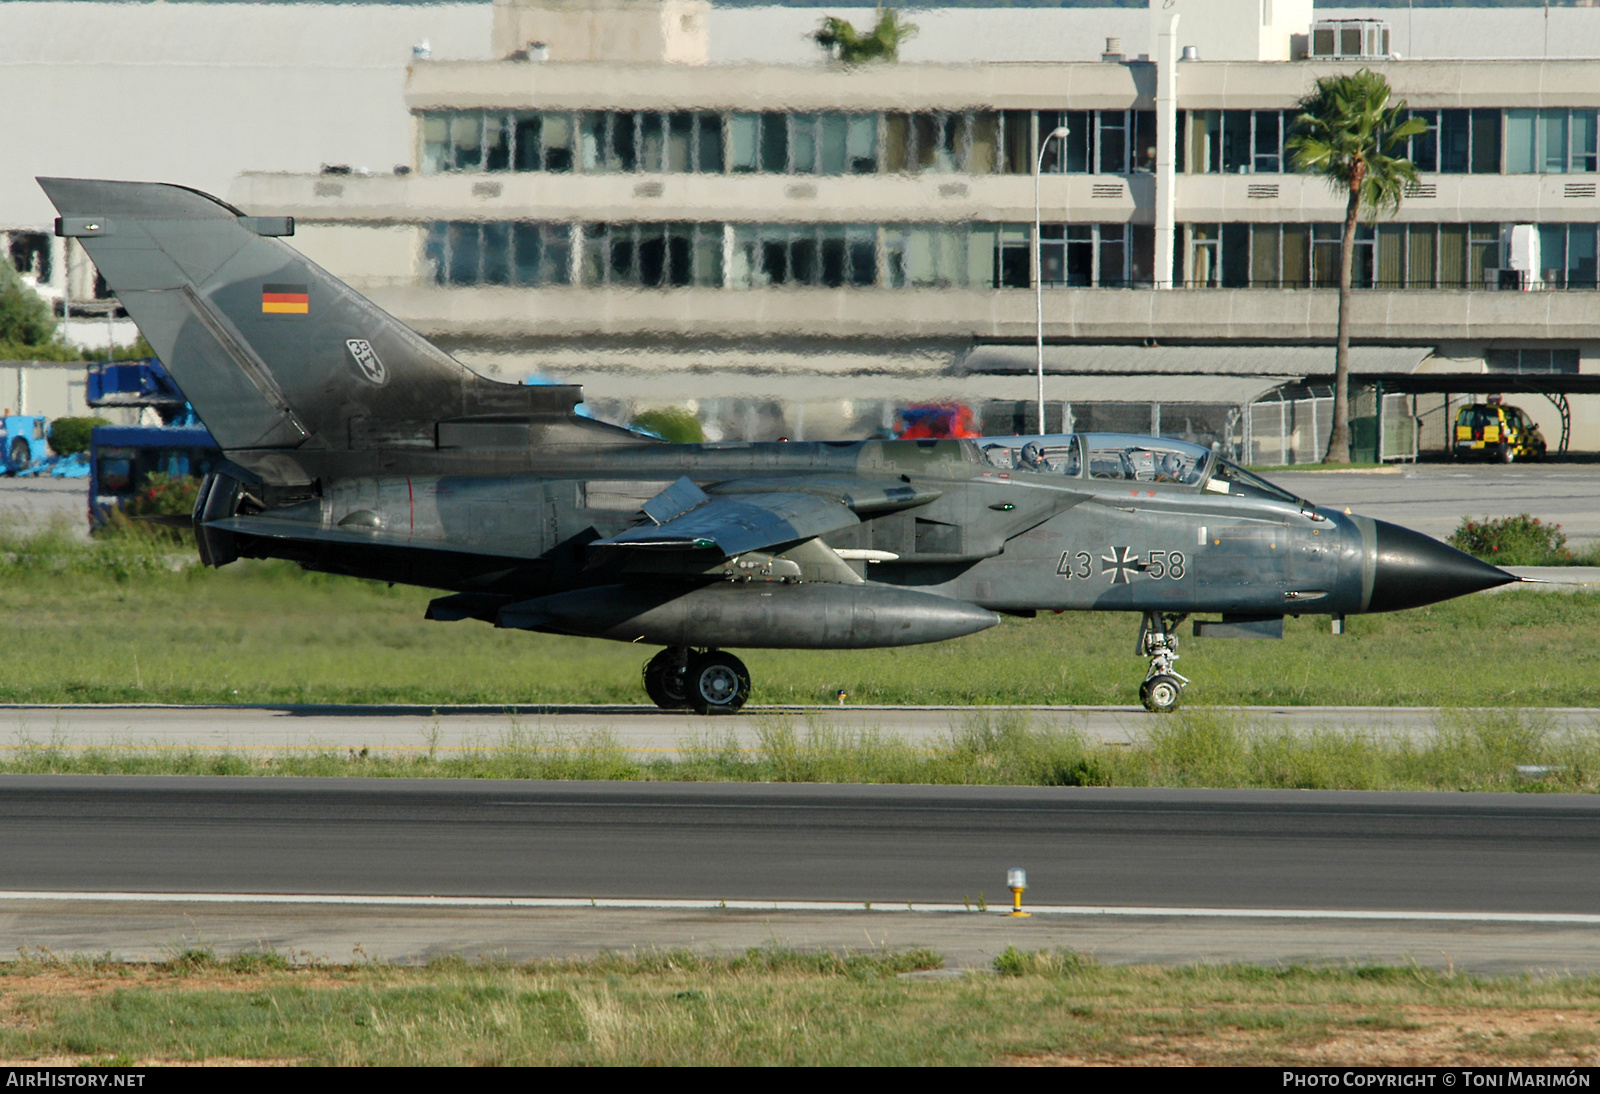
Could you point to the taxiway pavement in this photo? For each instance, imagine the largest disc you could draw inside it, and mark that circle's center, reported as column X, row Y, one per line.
column 640, row 729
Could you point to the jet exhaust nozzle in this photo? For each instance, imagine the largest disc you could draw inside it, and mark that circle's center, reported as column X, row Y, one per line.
column 757, row 615
column 1411, row 569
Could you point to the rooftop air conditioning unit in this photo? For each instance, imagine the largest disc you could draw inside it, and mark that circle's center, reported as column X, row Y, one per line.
column 1350, row 39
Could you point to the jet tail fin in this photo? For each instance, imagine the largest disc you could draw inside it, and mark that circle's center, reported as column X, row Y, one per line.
column 274, row 353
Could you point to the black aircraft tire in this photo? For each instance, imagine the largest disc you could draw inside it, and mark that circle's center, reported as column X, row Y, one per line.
column 1160, row 694
column 21, row 457
column 666, row 686
column 718, row 683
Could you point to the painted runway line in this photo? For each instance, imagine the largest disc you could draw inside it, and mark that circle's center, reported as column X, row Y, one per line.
column 648, row 904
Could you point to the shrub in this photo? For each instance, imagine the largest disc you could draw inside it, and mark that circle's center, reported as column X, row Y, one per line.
column 1521, row 540
column 165, row 495
column 670, row 423
column 26, row 324
column 70, row 435
column 162, row 495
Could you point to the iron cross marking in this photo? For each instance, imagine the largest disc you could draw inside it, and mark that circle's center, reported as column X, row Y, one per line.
column 1123, row 561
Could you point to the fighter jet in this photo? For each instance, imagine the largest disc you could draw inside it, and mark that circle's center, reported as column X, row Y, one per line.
column 354, row 446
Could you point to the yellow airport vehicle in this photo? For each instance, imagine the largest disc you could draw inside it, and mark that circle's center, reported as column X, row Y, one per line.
column 1500, row 432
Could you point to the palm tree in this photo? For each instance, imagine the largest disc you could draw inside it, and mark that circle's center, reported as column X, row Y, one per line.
column 883, row 44
column 1348, row 132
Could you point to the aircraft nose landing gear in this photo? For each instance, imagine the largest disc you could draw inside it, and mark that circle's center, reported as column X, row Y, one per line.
column 1158, row 640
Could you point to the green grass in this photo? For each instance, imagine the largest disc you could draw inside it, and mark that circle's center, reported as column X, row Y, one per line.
column 111, row 622
column 1467, row 750
column 784, row 1007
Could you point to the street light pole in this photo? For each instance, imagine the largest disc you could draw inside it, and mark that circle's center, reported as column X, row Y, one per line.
column 1060, row 132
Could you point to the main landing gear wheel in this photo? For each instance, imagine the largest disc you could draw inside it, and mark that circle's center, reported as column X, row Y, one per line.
column 718, row 683
column 1163, row 685
column 666, row 678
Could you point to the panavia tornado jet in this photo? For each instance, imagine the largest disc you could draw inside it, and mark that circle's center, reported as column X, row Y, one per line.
column 354, row 446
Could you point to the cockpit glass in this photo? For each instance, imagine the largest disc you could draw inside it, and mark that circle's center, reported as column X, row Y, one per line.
column 1054, row 454
column 1102, row 455
column 1145, row 459
column 1230, row 478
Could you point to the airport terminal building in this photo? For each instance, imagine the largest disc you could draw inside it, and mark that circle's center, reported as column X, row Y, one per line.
column 671, row 202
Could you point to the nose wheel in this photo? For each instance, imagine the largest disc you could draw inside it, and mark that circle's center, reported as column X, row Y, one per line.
column 1163, row 684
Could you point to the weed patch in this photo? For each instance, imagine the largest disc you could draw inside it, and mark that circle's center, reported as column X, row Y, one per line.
column 783, row 1006
column 1516, row 750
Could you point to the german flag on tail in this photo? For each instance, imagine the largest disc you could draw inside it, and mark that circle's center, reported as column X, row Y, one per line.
column 285, row 300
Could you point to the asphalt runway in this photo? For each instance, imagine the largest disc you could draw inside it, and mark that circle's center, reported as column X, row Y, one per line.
column 134, row 864
column 1433, row 497
column 886, row 844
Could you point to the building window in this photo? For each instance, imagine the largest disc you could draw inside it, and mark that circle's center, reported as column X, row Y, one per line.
column 1070, row 255
column 30, row 255
column 1016, row 142
column 927, row 256
column 681, row 142
column 803, row 144
column 1098, row 142
column 1423, row 148
column 1550, row 141
column 978, row 142
column 652, row 256
column 1237, row 256
column 1469, row 142
column 826, row 255
column 758, row 143
column 832, row 144
column 1567, row 256
column 1390, row 256
column 598, row 141
column 1013, row 264
column 1459, row 142
column 1531, row 360
column 1234, row 142
column 1083, row 255
column 518, row 253
column 943, row 143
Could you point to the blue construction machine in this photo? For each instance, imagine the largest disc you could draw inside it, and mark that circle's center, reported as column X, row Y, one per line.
column 25, row 442
column 122, row 457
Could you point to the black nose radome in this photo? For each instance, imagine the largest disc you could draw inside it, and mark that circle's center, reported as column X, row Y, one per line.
column 1413, row 569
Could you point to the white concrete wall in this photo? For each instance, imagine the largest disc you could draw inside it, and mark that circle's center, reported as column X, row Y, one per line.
column 1446, row 33
column 56, row 391
column 197, row 93
column 625, row 31
column 954, row 35
column 1232, row 30
column 372, row 254
column 782, row 36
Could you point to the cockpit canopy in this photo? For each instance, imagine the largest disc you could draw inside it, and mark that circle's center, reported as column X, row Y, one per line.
column 1130, row 458
column 1106, row 456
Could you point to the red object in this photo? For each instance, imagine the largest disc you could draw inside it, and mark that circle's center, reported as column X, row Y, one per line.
column 937, row 421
